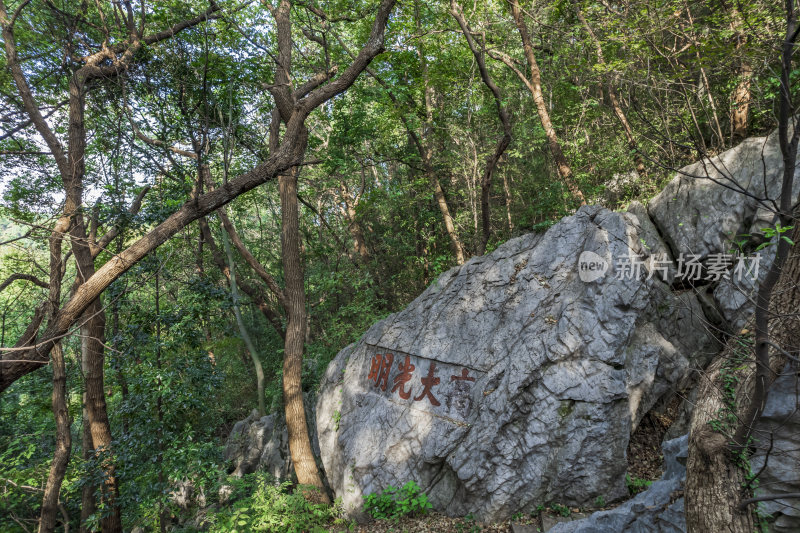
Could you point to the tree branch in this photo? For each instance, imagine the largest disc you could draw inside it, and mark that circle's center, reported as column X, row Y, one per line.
column 26, row 277
column 109, row 236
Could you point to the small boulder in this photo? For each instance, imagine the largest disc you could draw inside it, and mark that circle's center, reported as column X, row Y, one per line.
column 259, row 444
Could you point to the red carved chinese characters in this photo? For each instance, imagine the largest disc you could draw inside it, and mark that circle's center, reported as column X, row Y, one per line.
column 379, row 371
column 455, row 394
column 428, row 382
column 406, row 369
column 463, row 377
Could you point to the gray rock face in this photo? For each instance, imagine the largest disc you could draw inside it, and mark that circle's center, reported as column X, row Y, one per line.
column 711, row 202
column 781, row 475
column 658, row 509
column 716, row 203
column 510, row 381
column 259, row 444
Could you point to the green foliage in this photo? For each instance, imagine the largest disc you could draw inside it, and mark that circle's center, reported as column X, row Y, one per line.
column 770, row 233
column 470, row 526
column 177, row 377
column 392, row 503
column 273, row 508
column 636, row 485
column 560, row 509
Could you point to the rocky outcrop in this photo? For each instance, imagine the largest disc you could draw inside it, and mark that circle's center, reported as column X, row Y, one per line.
column 778, row 436
column 719, row 205
column 712, row 203
column 259, row 444
column 517, row 378
column 659, row 508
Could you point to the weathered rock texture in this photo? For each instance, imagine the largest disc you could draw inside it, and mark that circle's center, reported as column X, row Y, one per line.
column 717, row 205
column 778, row 433
column 526, row 381
column 711, row 203
column 259, row 444
column 659, row 508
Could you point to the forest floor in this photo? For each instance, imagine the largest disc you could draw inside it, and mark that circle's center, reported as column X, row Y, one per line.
column 645, row 464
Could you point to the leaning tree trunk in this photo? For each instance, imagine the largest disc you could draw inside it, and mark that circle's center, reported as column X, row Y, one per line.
column 248, row 342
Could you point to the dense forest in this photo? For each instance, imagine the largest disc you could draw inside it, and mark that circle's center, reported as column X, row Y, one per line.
column 203, row 202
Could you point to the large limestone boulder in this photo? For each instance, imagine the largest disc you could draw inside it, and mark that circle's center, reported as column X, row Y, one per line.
column 511, row 381
column 713, row 203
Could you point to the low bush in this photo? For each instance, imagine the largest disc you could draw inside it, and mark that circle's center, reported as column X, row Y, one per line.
column 275, row 508
column 392, row 503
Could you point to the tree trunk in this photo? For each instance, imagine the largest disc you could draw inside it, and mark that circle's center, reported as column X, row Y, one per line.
column 88, row 503
column 502, row 142
column 507, row 191
column 612, row 94
column 118, row 362
column 305, row 465
column 248, row 342
column 717, row 456
column 24, row 360
column 714, row 479
column 449, row 226
column 425, row 146
column 50, row 500
column 93, row 328
column 356, row 231
column 535, row 87
column 93, row 353
column 740, row 112
column 733, row 394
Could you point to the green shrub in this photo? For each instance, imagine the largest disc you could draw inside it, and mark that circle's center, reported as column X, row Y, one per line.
column 274, row 508
column 560, row 509
column 392, row 503
column 636, row 485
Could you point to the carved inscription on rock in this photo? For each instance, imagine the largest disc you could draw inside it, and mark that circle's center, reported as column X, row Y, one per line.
column 441, row 388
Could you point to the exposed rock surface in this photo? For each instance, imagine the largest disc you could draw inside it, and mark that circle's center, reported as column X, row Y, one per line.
column 262, row 443
column 514, row 380
column 781, row 421
column 259, row 444
column 711, row 203
column 659, row 508
column 526, row 380
column 714, row 205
